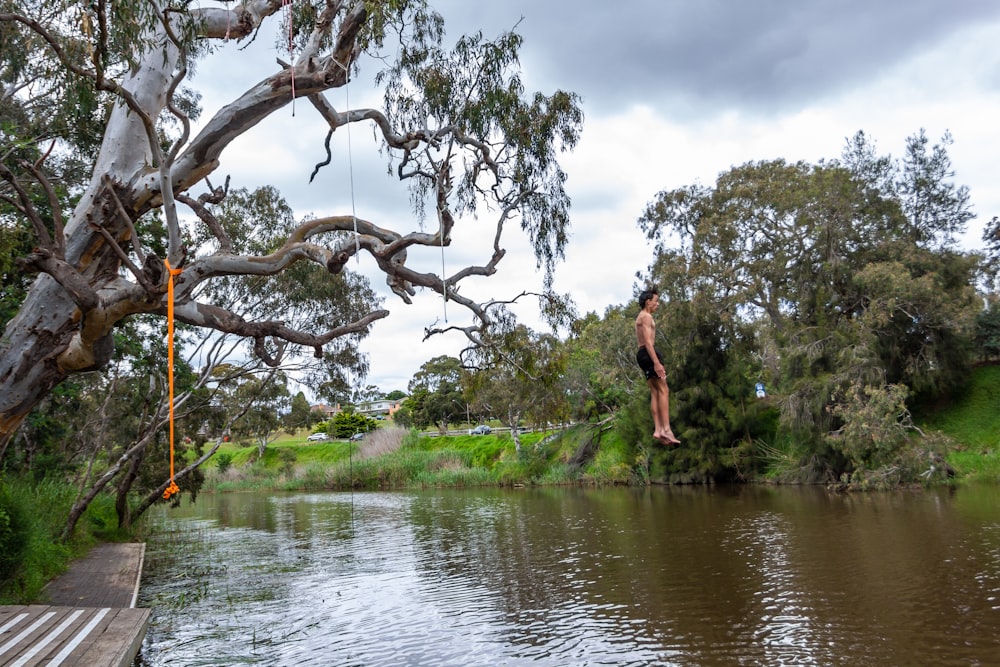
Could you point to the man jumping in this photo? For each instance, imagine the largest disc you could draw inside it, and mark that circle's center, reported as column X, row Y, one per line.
column 648, row 359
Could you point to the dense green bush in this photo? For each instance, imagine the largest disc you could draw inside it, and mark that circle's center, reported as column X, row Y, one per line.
column 223, row 462
column 14, row 531
column 31, row 552
column 346, row 424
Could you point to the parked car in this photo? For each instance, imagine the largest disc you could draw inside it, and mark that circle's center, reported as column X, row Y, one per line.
column 357, row 437
column 317, row 437
column 482, row 429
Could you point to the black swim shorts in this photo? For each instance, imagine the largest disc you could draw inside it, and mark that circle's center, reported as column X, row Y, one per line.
column 646, row 363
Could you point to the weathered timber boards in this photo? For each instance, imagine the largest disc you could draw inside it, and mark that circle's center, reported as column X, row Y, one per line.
column 64, row 636
column 108, row 576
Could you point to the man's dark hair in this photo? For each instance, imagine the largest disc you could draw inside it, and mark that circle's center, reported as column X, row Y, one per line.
column 646, row 296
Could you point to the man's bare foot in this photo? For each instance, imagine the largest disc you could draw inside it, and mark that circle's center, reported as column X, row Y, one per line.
column 667, row 438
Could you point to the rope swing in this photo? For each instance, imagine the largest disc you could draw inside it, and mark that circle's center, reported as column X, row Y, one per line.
column 444, row 283
column 172, row 488
column 350, row 160
column 287, row 5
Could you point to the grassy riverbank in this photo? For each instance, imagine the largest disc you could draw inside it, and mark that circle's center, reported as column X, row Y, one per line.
column 391, row 458
column 584, row 454
column 972, row 420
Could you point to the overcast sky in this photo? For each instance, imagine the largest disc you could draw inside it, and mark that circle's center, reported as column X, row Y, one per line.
column 674, row 92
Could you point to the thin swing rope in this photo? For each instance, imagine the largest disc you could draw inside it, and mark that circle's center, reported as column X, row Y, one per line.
column 354, row 212
column 350, row 160
column 291, row 45
column 444, row 284
column 350, row 459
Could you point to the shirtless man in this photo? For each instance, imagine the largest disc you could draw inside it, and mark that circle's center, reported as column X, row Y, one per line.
column 649, row 361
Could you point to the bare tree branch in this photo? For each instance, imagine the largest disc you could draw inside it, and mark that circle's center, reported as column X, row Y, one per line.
column 220, row 319
column 26, row 207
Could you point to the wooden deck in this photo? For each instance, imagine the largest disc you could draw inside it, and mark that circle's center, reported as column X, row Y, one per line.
column 91, row 619
column 84, row 637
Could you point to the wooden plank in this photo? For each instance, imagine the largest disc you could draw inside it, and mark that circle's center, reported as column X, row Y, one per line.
column 66, row 637
column 108, row 576
column 113, row 642
column 22, row 632
column 65, row 623
column 138, row 574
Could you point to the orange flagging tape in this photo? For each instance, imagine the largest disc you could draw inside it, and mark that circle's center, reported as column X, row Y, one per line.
column 173, row 488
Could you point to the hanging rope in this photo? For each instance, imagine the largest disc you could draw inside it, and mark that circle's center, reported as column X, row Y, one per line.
column 228, row 20
column 173, row 488
column 444, row 284
column 287, row 4
column 350, row 161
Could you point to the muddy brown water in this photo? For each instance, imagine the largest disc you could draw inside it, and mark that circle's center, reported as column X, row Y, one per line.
column 553, row 576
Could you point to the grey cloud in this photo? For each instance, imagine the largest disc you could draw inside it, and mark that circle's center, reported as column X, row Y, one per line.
column 756, row 55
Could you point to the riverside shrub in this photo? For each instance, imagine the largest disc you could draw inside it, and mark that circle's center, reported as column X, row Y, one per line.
column 14, row 530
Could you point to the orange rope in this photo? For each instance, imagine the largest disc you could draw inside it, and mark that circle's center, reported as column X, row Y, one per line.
column 172, row 489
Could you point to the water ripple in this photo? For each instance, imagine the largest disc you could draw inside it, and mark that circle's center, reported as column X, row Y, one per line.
column 565, row 578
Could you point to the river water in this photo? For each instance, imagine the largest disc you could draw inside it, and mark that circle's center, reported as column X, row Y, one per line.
column 564, row 576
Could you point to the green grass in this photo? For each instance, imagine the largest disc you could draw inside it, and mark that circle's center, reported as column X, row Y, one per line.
column 973, row 417
column 972, row 420
column 615, row 462
column 414, row 461
column 976, row 466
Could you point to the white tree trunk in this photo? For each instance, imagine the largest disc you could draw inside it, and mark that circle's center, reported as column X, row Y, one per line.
column 52, row 336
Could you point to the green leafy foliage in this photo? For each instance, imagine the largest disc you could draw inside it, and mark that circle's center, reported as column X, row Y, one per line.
column 300, row 415
column 988, row 332
column 477, row 88
column 223, row 462
column 436, row 397
column 600, row 371
column 14, row 531
column 519, row 377
column 31, row 551
column 345, row 424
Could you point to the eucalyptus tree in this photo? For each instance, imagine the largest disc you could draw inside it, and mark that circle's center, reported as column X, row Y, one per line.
column 300, row 414
column 519, row 378
column 457, row 126
column 436, row 396
column 122, row 430
column 262, row 401
column 601, row 373
column 303, row 297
